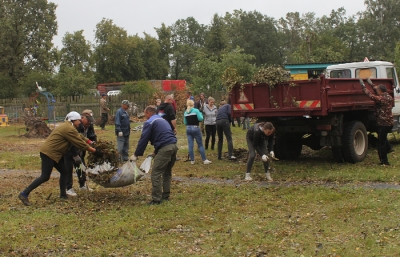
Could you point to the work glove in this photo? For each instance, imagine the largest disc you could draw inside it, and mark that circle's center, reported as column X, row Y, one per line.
column 264, row 158
column 77, row 160
column 133, row 158
column 362, row 83
column 370, row 82
column 120, row 134
column 98, row 153
column 272, row 154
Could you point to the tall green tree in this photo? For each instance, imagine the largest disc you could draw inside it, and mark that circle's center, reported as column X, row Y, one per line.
column 290, row 34
column 164, row 39
column 187, row 36
column 136, row 69
column 208, row 71
column 397, row 56
column 26, row 31
column 155, row 66
column 72, row 82
column 111, row 53
column 243, row 63
column 256, row 34
column 380, row 25
column 207, row 74
column 216, row 41
column 76, row 53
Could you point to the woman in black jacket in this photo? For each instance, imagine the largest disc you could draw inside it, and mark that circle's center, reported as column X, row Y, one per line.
column 260, row 139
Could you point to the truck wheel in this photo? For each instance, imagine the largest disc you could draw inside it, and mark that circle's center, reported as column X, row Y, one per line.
column 355, row 142
column 288, row 146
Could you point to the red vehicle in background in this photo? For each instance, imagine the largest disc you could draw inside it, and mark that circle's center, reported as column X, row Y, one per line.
column 162, row 85
column 320, row 112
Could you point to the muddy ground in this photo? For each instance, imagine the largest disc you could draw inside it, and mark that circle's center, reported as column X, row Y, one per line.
column 17, row 177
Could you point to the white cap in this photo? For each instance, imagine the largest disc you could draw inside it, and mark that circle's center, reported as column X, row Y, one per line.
column 73, row 116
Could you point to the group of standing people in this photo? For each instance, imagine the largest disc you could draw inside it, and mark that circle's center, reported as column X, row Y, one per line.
column 259, row 138
column 204, row 116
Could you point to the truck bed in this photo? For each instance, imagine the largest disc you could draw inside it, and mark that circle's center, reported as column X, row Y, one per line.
column 318, row 97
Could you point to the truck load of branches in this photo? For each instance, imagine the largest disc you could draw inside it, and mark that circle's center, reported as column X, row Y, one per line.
column 271, row 75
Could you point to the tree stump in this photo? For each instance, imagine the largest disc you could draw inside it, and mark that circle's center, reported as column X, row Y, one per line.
column 35, row 127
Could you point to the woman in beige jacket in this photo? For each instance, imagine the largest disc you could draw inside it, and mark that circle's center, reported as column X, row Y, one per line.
column 52, row 151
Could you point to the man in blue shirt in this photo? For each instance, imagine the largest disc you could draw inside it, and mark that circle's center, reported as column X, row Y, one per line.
column 123, row 130
column 159, row 133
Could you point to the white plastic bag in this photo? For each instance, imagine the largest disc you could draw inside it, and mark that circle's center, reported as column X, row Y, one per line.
column 126, row 175
column 146, row 165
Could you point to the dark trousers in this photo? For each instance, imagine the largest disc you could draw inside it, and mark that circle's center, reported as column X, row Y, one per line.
column 383, row 143
column 237, row 120
column 104, row 119
column 161, row 173
column 261, row 149
column 211, row 130
column 223, row 127
column 70, row 165
column 47, row 167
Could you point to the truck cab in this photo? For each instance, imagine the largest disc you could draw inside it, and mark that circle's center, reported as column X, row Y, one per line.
column 373, row 70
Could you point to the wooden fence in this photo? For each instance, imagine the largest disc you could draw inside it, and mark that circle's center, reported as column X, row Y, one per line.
column 15, row 107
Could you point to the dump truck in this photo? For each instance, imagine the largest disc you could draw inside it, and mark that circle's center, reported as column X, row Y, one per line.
column 329, row 111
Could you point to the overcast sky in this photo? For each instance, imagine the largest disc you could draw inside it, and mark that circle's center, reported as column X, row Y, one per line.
column 138, row 16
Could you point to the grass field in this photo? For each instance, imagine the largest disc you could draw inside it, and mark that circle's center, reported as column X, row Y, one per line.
column 315, row 207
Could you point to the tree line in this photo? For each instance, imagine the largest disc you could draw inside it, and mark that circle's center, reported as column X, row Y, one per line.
column 187, row 50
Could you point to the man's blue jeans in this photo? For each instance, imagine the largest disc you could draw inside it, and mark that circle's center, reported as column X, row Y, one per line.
column 194, row 133
column 123, row 147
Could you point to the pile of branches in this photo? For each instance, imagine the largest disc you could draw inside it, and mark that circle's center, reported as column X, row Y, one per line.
column 35, row 126
column 231, row 78
column 271, row 75
column 110, row 155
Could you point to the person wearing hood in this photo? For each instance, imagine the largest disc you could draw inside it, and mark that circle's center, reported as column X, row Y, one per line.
column 167, row 112
column 52, row 151
column 191, row 119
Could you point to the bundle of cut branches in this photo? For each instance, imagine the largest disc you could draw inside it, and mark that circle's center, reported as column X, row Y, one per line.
column 107, row 164
column 271, row 75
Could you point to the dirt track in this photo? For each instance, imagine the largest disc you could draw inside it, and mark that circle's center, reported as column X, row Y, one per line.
column 235, row 182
